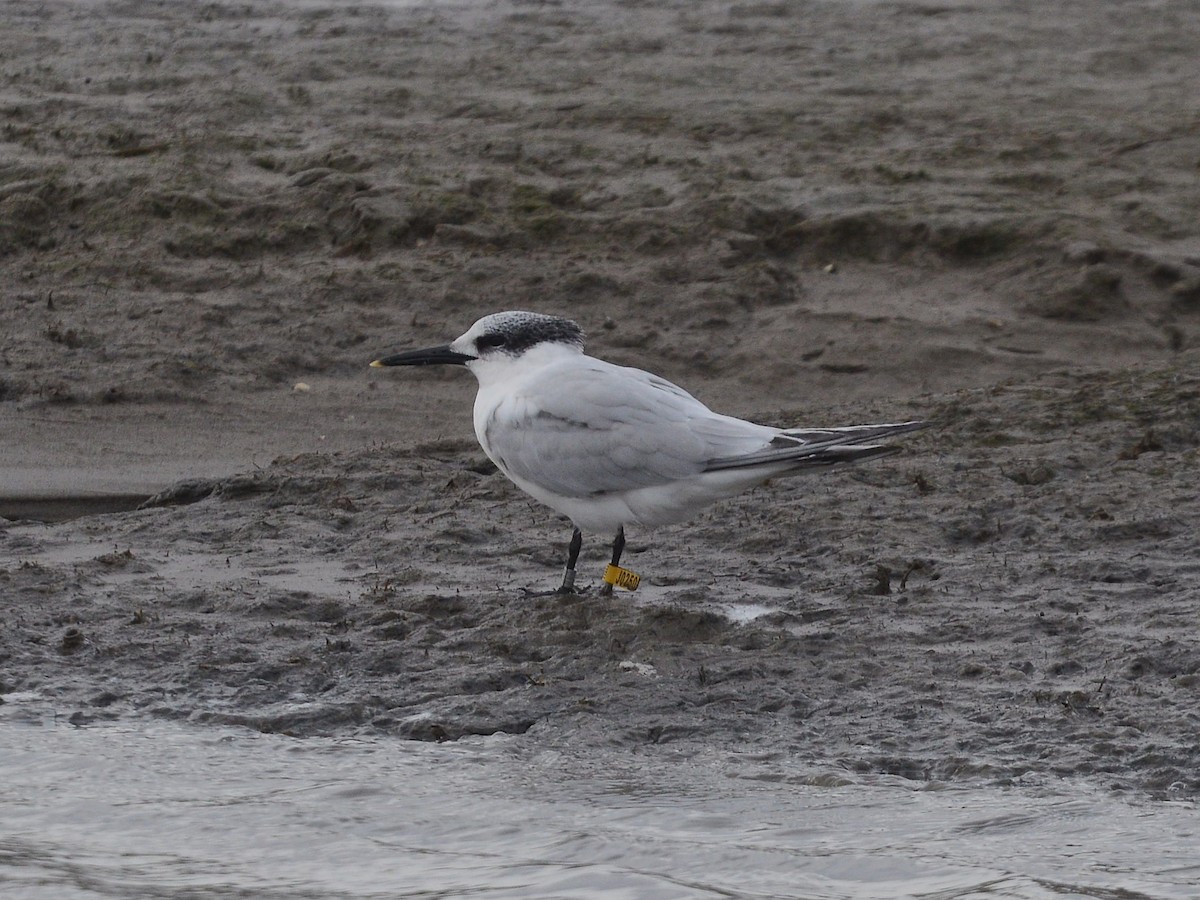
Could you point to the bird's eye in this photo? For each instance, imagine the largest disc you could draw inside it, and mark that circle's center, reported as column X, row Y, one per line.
column 491, row 340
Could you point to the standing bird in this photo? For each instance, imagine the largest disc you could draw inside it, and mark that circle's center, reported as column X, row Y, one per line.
column 609, row 446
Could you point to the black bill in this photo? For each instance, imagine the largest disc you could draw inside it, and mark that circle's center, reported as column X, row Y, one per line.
column 430, row 356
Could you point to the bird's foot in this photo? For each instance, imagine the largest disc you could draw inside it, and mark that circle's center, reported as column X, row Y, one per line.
column 566, row 589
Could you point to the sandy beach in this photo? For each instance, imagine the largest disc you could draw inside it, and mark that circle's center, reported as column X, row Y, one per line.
column 213, row 217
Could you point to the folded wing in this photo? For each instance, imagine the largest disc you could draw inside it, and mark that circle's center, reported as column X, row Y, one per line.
column 581, row 431
column 586, row 430
column 801, row 448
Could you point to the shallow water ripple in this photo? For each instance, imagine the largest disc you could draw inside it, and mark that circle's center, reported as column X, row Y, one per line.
column 160, row 809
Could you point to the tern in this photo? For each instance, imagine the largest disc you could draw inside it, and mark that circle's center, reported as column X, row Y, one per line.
column 609, row 446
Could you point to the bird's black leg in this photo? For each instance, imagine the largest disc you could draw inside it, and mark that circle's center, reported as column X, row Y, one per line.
column 618, row 549
column 618, row 545
column 568, row 582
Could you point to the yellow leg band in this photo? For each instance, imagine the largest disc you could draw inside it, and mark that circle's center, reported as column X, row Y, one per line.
column 622, row 578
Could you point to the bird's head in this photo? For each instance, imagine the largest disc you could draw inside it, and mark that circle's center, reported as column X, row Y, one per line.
column 496, row 340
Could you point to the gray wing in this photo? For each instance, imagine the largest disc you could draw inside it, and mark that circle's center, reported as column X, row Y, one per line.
column 811, row 447
column 590, row 427
column 852, row 434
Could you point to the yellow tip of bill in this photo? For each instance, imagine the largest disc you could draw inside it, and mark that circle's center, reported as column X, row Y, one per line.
column 376, row 364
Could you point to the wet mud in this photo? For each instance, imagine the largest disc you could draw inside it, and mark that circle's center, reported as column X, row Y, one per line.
column 213, row 217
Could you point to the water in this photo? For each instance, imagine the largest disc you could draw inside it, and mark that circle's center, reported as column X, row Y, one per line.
column 159, row 809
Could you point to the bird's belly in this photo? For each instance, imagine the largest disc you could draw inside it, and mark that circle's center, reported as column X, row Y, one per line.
column 597, row 512
column 665, row 504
